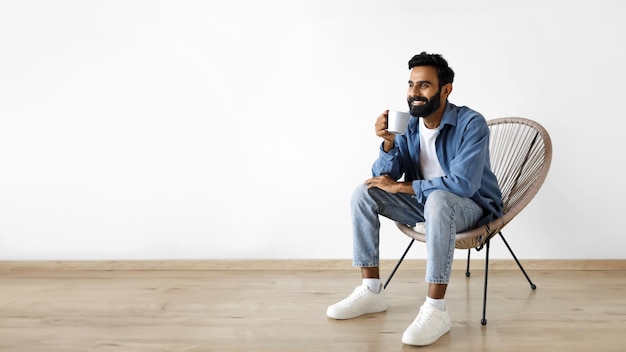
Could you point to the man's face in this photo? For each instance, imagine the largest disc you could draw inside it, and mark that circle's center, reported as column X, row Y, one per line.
column 424, row 94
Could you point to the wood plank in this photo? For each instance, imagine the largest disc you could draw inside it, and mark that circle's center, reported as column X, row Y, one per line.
column 303, row 264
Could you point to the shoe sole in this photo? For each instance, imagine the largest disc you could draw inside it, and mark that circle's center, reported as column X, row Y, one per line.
column 423, row 342
column 346, row 317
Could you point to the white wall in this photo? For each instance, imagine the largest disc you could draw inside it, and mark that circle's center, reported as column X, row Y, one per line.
column 238, row 129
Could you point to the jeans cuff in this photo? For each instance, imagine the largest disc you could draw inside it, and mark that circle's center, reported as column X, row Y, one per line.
column 364, row 265
column 437, row 281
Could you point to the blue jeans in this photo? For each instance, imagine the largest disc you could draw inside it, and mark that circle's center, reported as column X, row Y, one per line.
column 443, row 212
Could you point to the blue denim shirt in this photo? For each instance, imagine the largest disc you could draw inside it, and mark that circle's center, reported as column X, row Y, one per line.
column 463, row 152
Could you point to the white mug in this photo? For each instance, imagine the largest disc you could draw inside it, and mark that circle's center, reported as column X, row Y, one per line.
column 397, row 121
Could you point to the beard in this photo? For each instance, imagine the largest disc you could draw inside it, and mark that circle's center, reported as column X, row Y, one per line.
column 431, row 105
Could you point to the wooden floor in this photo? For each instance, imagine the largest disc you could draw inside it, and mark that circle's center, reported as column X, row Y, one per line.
column 234, row 310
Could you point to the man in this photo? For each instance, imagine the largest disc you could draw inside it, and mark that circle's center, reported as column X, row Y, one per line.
column 448, row 184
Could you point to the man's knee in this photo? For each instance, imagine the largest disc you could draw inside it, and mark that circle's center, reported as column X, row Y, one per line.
column 360, row 196
column 364, row 198
column 438, row 202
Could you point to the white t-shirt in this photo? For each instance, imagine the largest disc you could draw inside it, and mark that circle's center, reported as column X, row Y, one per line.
column 429, row 164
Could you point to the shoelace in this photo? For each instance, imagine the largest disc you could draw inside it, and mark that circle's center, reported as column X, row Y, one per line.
column 423, row 317
column 355, row 294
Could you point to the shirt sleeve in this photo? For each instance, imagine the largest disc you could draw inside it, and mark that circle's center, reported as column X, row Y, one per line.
column 388, row 163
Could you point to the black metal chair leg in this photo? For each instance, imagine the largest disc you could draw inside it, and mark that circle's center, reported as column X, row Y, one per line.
column 532, row 285
column 467, row 272
column 399, row 262
column 483, row 321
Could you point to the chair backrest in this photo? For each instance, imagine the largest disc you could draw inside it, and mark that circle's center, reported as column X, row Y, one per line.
column 521, row 154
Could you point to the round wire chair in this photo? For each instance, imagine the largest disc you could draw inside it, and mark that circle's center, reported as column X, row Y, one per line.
column 520, row 155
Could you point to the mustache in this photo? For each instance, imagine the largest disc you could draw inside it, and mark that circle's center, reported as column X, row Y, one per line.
column 412, row 99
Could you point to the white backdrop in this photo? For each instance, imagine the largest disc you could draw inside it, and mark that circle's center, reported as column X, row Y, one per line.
column 238, row 129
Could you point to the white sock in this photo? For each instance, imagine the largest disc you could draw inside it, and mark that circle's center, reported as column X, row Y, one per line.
column 437, row 303
column 373, row 285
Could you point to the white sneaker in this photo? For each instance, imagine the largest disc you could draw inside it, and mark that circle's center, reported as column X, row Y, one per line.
column 360, row 301
column 428, row 327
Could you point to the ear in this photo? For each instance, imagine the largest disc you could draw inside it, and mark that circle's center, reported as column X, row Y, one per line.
column 446, row 90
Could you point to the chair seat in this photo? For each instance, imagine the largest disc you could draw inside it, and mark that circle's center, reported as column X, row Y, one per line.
column 474, row 238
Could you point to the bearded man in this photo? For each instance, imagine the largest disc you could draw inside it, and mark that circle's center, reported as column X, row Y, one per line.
column 437, row 173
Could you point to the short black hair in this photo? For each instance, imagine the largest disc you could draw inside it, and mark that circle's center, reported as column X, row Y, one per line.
column 444, row 72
